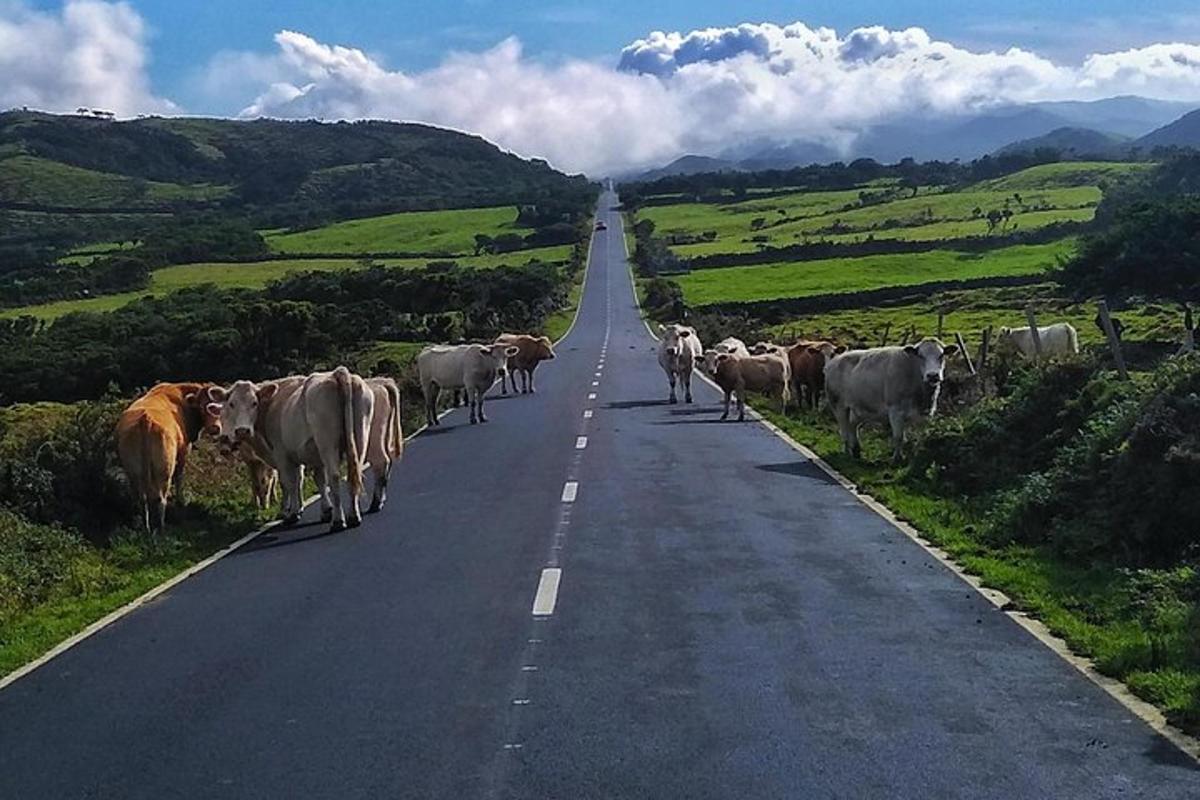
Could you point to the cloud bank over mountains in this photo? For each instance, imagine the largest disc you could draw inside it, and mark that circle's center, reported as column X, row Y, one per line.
column 668, row 93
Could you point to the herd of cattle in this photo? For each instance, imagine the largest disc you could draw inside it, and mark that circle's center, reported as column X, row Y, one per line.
column 321, row 422
column 329, row 420
column 897, row 385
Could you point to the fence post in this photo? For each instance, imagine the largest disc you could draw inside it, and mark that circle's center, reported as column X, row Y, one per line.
column 941, row 321
column 1033, row 331
column 1113, row 342
column 962, row 348
column 986, row 347
column 887, row 329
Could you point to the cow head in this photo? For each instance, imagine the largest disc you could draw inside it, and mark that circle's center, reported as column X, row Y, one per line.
column 673, row 336
column 238, row 413
column 544, row 348
column 931, row 356
column 766, row 348
column 200, row 404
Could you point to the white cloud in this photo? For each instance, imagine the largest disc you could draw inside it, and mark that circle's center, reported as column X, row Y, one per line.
column 90, row 54
column 703, row 91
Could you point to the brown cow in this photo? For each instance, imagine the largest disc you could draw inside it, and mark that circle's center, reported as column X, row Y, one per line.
column 807, row 360
column 768, row 373
column 531, row 351
column 153, row 437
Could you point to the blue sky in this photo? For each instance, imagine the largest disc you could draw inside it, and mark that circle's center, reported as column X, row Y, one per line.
column 409, row 35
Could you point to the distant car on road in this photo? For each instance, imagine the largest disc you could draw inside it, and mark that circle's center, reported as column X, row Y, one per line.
column 600, row 226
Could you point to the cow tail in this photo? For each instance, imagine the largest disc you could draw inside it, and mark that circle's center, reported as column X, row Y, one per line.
column 1074, row 339
column 345, row 389
column 395, row 434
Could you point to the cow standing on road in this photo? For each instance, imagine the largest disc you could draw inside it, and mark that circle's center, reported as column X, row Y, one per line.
column 731, row 345
column 385, row 445
column 768, row 373
column 153, row 437
column 897, row 384
column 678, row 352
column 531, row 351
column 317, row 421
column 472, row 367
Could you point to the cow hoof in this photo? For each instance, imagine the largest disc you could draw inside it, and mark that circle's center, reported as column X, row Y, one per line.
column 327, row 515
column 337, row 527
column 474, row 421
column 375, row 507
column 354, row 522
column 483, row 419
column 289, row 521
column 672, row 401
column 688, row 400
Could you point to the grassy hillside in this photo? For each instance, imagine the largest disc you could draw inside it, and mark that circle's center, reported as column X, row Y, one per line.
column 440, row 232
column 42, row 182
column 839, row 275
column 256, row 274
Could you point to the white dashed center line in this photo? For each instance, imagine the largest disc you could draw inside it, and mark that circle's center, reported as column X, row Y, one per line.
column 547, row 592
column 592, row 396
column 587, row 414
column 570, row 489
column 580, row 442
column 595, row 383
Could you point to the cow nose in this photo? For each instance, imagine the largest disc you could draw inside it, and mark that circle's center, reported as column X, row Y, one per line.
column 242, row 434
column 933, row 379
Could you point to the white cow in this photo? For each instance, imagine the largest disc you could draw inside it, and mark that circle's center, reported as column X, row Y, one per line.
column 897, row 384
column 678, row 351
column 731, row 345
column 385, row 445
column 472, row 367
column 315, row 421
column 1059, row 339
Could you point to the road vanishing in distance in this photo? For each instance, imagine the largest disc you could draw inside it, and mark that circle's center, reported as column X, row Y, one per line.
column 719, row 619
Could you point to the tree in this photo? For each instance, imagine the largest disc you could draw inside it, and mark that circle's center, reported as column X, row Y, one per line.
column 483, row 243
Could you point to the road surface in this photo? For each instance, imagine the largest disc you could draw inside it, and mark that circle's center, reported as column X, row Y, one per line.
column 728, row 623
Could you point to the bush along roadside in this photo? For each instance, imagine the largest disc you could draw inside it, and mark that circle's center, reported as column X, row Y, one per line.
column 1073, row 493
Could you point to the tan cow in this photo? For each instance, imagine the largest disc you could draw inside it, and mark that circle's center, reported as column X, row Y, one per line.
column 264, row 479
column 385, row 444
column 153, row 437
column 769, row 373
column 531, row 351
column 316, row 421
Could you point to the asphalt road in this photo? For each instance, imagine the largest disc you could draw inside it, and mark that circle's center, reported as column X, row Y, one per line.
column 729, row 623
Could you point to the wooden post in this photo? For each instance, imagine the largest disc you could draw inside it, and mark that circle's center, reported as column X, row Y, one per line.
column 986, row 347
column 887, row 329
column 941, row 321
column 1113, row 342
column 1033, row 331
column 962, row 348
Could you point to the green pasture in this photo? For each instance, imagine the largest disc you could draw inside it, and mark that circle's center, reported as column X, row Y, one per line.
column 430, row 232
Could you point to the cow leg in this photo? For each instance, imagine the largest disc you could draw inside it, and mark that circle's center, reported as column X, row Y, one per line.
column 532, row 390
column 896, row 419
column 686, row 378
column 671, row 378
column 480, row 395
column 322, row 481
column 842, row 415
column 741, row 400
column 177, row 480
column 728, row 397
column 290, row 478
column 329, row 483
column 471, row 402
column 379, row 496
column 158, row 513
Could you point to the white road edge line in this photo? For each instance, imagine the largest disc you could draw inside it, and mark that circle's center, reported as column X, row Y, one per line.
column 1141, row 709
column 547, row 592
column 570, row 490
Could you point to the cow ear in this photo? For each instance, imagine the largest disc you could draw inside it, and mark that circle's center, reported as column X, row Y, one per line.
column 191, row 398
column 267, row 391
column 950, row 351
column 841, row 348
column 511, row 350
column 910, row 349
column 723, row 357
column 1004, row 329
column 213, row 409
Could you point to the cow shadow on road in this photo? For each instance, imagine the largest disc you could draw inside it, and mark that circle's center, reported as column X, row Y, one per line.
column 624, row 405
column 800, row 469
column 281, row 537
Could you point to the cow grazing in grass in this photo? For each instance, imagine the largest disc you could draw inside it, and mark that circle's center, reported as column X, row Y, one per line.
column 678, row 351
column 385, row 445
column 153, row 436
column 531, row 351
column 320, row 421
column 1059, row 339
column 768, row 373
column 472, row 367
column 807, row 360
column 897, row 384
